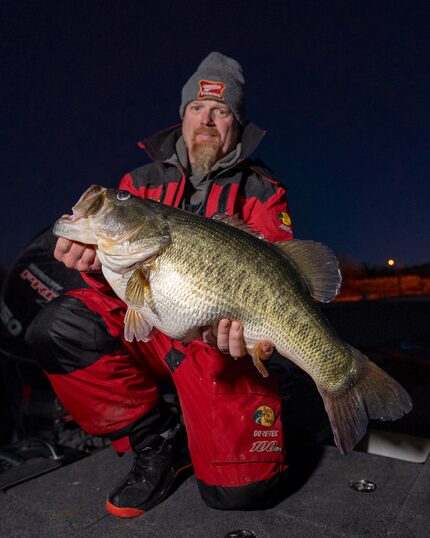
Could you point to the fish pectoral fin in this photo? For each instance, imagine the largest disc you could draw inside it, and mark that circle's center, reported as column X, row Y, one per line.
column 137, row 286
column 136, row 326
column 318, row 266
column 259, row 353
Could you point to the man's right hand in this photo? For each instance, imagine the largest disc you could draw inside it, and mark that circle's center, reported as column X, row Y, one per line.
column 76, row 255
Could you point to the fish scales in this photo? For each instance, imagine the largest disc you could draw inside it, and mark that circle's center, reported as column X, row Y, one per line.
column 262, row 291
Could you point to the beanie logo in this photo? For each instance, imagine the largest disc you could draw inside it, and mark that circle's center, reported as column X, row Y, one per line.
column 209, row 88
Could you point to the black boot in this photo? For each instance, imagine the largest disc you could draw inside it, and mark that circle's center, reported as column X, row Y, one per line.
column 152, row 476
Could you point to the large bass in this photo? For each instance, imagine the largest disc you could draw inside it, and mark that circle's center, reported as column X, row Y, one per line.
column 179, row 272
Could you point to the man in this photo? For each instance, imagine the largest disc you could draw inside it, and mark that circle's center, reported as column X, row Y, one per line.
column 112, row 387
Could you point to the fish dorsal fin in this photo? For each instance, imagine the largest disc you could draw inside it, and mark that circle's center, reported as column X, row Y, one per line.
column 234, row 220
column 318, row 266
column 136, row 326
column 137, row 286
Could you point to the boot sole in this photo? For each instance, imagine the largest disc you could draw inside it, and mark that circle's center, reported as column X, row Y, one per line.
column 135, row 512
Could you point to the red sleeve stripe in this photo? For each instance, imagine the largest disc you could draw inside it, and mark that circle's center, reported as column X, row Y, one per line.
column 170, row 193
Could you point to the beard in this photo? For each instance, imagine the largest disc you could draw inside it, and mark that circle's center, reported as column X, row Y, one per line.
column 205, row 152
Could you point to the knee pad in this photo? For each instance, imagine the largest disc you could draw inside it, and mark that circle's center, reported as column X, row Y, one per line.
column 66, row 335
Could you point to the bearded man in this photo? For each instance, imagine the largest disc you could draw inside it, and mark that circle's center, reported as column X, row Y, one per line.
column 111, row 387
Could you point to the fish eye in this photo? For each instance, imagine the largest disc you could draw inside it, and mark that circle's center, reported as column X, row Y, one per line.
column 123, row 195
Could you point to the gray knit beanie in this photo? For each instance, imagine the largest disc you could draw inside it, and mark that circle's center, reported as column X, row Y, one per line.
column 220, row 78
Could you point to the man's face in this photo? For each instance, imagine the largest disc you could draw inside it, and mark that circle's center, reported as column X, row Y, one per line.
column 210, row 131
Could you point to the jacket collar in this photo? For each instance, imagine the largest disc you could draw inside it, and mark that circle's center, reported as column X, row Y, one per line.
column 161, row 146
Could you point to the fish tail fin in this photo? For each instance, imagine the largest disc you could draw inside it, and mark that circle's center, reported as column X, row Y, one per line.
column 375, row 395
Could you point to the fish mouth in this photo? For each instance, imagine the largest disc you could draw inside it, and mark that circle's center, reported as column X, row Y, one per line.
column 76, row 226
column 88, row 204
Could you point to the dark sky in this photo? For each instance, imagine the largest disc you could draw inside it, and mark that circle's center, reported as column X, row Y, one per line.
column 342, row 88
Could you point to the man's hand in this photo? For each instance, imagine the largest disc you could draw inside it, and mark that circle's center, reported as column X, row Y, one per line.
column 76, row 255
column 227, row 336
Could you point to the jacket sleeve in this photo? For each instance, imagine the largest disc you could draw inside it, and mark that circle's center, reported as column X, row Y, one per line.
column 126, row 184
column 264, row 208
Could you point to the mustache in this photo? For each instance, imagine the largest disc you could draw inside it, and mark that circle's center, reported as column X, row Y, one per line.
column 211, row 131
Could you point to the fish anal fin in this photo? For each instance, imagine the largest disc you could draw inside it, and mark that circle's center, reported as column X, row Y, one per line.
column 136, row 327
column 137, row 286
column 318, row 266
column 376, row 395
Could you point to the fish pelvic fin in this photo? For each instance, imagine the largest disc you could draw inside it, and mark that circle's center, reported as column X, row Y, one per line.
column 376, row 395
column 135, row 326
column 318, row 266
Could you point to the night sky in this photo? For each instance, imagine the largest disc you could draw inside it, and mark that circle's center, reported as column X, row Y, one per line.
column 342, row 88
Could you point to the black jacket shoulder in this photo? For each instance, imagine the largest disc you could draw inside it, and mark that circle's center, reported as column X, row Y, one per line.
column 154, row 174
column 261, row 182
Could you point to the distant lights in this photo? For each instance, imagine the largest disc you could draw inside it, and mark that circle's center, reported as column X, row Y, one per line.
column 390, row 262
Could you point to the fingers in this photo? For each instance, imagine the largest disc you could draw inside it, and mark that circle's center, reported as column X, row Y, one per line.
column 236, row 343
column 223, row 335
column 76, row 255
column 227, row 336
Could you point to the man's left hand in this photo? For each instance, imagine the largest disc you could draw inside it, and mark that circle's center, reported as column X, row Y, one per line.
column 227, row 336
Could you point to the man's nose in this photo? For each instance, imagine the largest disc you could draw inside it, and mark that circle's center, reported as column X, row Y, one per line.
column 207, row 117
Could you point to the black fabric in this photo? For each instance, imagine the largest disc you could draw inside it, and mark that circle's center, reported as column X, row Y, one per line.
column 145, row 429
column 255, row 185
column 153, row 175
column 66, row 336
column 174, row 359
column 34, row 280
column 254, row 496
column 223, row 199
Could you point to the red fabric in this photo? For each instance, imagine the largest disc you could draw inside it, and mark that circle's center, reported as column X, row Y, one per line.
column 126, row 184
column 122, row 445
column 219, row 399
column 266, row 217
column 170, row 193
column 225, row 441
column 212, row 203
column 119, row 388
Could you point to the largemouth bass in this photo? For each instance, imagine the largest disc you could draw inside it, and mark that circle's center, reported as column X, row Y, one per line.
column 179, row 272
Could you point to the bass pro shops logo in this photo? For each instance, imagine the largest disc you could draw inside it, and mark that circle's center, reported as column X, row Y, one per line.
column 264, row 415
column 211, row 89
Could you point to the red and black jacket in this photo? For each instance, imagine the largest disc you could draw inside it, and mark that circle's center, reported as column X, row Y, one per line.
column 247, row 189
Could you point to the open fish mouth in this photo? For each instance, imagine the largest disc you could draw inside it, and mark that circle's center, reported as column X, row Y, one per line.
column 76, row 226
column 88, row 204
column 69, row 219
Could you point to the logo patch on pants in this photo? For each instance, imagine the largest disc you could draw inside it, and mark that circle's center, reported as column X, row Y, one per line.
column 264, row 415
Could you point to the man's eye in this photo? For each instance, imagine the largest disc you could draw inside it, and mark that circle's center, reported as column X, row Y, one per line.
column 196, row 108
column 223, row 113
